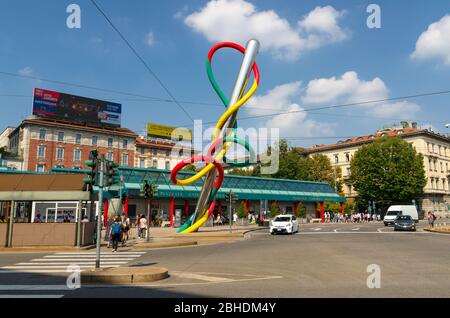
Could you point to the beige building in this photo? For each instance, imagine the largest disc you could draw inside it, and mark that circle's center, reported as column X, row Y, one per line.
column 434, row 147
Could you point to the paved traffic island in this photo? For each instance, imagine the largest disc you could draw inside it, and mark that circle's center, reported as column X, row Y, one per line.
column 124, row 275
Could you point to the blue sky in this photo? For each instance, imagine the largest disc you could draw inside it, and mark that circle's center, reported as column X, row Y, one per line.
column 314, row 53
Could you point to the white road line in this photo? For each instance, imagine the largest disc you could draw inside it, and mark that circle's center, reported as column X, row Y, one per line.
column 335, row 231
column 72, row 263
column 356, row 229
column 102, row 253
column 90, row 256
column 49, row 267
column 204, row 277
column 358, row 232
column 31, row 296
column 34, row 287
column 79, row 259
column 317, row 229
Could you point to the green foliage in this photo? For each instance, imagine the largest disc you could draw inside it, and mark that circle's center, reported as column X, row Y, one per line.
column 190, row 167
column 300, row 211
column 349, row 207
column 240, row 172
column 332, row 207
column 274, row 209
column 387, row 171
column 242, row 211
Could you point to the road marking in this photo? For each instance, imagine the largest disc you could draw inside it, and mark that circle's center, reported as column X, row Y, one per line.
column 203, row 277
column 356, row 229
column 31, row 296
column 102, row 253
column 317, row 229
column 90, row 256
column 62, row 266
column 69, row 263
column 78, row 259
column 34, row 287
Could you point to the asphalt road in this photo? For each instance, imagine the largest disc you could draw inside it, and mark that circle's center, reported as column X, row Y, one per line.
column 322, row 260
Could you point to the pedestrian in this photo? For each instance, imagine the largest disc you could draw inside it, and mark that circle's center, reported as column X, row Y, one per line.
column 138, row 229
column 431, row 219
column 37, row 219
column 116, row 233
column 108, row 237
column 143, row 225
column 125, row 230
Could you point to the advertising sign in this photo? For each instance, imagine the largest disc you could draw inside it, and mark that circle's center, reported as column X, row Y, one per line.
column 55, row 105
column 161, row 131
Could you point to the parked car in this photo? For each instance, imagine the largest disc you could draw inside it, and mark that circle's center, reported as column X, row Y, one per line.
column 404, row 223
column 395, row 210
column 284, row 223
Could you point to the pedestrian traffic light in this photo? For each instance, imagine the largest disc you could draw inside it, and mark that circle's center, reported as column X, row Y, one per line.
column 149, row 191
column 112, row 173
column 93, row 165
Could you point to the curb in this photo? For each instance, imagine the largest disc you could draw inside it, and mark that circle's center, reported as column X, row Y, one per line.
column 437, row 231
column 124, row 275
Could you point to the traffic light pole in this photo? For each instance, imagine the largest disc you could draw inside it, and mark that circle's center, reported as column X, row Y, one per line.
column 230, row 199
column 149, row 213
column 99, row 215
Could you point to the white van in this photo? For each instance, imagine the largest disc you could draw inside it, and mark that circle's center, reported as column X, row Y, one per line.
column 395, row 210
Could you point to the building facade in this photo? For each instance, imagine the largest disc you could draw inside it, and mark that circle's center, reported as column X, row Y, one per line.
column 44, row 144
column 434, row 147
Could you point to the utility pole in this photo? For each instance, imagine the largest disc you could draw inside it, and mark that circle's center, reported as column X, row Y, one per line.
column 100, row 210
column 229, row 210
column 12, row 215
column 79, row 213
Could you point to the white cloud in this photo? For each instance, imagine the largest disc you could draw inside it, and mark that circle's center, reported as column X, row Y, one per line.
column 180, row 14
column 434, row 43
column 349, row 88
column 26, row 71
column 239, row 21
column 280, row 99
column 150, row 39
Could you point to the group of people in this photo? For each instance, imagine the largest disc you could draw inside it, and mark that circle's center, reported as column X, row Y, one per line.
column 141, row 226
column 331, row 217
column 117, row 229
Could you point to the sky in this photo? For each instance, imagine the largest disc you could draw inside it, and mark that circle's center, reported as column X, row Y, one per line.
column 313, row 54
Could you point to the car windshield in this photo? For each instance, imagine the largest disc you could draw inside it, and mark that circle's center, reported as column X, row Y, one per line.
column 394, row 212
column 404, row 217
column 282, row 219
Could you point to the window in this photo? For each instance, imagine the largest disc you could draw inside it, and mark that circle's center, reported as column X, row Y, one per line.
column 440, row 153
column 428, row 147
column 142, row 163
column 61, row 136
column 167, row 153
column 110, row 142
column 109, row 156
column 155, row 163
column 78, row 139
column 432, row 183
column 41, row 152
column 446, row 167
column 142, row 151
column 336, row 158
column 154, row 152
column 347, row 157
column 124, row 159
column 349, row 186
column 348, row 171
column 59, row 165
column 60, row 153
column 125, row 144
column 435, row 165
column 442, row 167
column 429, row 164
column 167, row 165
column 94, row 140
column 40, row 168
column 77, row 155
column 42, row 133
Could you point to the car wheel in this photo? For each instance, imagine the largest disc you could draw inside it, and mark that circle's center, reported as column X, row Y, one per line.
column 385, row 224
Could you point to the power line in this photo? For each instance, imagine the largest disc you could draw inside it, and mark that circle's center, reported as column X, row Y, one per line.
column 340, row 105
column 141, row 59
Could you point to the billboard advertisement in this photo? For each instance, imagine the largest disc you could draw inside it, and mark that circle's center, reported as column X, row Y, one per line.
column 162, row 131
column 55, row 105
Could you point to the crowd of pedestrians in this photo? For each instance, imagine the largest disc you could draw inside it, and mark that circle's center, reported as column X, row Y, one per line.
column 331, row 217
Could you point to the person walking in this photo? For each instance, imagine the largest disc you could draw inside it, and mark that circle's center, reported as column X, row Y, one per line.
column 138, row 228
column 143, row 225
column 108, row 237
column 431, row 219
column 116, row 233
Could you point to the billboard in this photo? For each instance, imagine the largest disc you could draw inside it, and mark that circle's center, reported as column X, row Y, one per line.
column 162, row 131
column 55, row 105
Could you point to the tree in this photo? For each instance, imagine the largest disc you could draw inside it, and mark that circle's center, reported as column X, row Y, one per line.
column 300, row 211
column 274, row 209
column 387, row 171
column 242, row 211
column 190, row 167
column 322, row 170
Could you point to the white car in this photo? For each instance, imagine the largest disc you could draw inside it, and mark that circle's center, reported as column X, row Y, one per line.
column 284, row 223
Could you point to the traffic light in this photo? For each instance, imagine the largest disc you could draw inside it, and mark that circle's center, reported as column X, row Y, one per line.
column 112, row 173
column 149, row 191
column 231, row 197
column 93, row 164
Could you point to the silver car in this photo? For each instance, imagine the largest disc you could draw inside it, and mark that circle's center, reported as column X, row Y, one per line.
column 404, row 223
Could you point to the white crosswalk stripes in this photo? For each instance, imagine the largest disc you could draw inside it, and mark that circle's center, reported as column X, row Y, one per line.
column 59, row 262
